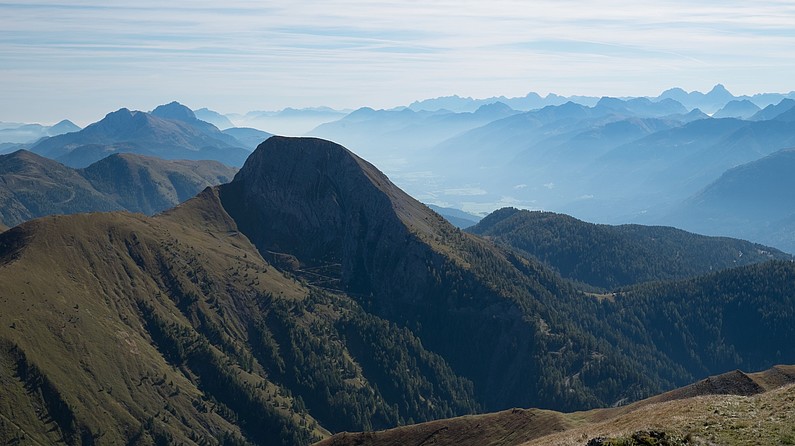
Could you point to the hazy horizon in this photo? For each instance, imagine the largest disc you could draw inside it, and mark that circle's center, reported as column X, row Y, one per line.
column 79, row 60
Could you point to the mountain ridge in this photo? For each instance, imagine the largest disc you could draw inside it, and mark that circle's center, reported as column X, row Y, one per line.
column 532, row 426
column 607, row 256
column 145, row 134
column 34, row 186
column 310, row 295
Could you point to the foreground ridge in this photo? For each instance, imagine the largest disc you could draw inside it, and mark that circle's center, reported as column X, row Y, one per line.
column 732, row 408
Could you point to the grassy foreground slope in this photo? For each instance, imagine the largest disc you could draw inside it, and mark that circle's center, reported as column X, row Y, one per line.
column 124, row 329
column 730, row 409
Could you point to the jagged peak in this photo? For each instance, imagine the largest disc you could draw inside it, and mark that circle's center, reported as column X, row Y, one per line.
column 494, row 107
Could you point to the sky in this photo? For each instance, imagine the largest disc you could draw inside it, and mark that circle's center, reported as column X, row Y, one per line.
column 83, row 58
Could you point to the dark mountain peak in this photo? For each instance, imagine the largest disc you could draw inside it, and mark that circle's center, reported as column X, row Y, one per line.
column 22, row 154
column 295, row 165
column 175, row 111
column 320, row 202
column 22, row 160
column 114, row 159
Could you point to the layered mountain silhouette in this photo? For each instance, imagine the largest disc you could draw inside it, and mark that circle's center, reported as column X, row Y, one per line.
column 737, row 109
column 33, row 186
column 214, row 118
column 610, row 160
column 29, row 133
column 289, row 121
column 171, row 131
column 749, row 201
column 382, row 134
column 774, row 111
column 711, row 101
column 311, row 296
column 456, row 217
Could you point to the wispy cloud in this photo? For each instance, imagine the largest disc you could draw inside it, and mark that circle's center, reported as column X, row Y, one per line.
column 240, row 55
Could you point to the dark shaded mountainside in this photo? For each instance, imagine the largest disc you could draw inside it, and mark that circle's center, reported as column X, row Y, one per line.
column 311, row 296
column 170, row 131
column 32, row 186
column 655, row 421
column 607, row 256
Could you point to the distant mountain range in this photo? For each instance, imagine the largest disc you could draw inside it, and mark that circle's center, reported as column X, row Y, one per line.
column 32, row 186
column 290, row 121
column 456, row 217
column 710, row 102
column 617, row 161
column 389, row 134
column 248, row 137
column 613, row 161
column 170, row 131
column 214, row 118
column 30, row 133
column 752, row 201
column 737, row 109
column 310, row 296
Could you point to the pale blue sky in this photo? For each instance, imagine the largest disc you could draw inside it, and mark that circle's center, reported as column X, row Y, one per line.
column 81, row 59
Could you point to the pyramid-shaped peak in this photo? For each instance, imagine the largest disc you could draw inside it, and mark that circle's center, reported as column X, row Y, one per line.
column 174, row 110
column 298, row 165
column 720, row 91
column 312, row 197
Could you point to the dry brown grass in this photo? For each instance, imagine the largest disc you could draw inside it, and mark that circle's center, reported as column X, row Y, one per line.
column 729, row 409
column 68, row 297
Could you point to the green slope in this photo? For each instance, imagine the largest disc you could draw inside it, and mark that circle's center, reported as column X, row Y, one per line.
column 607, row 256
column 310, row 296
